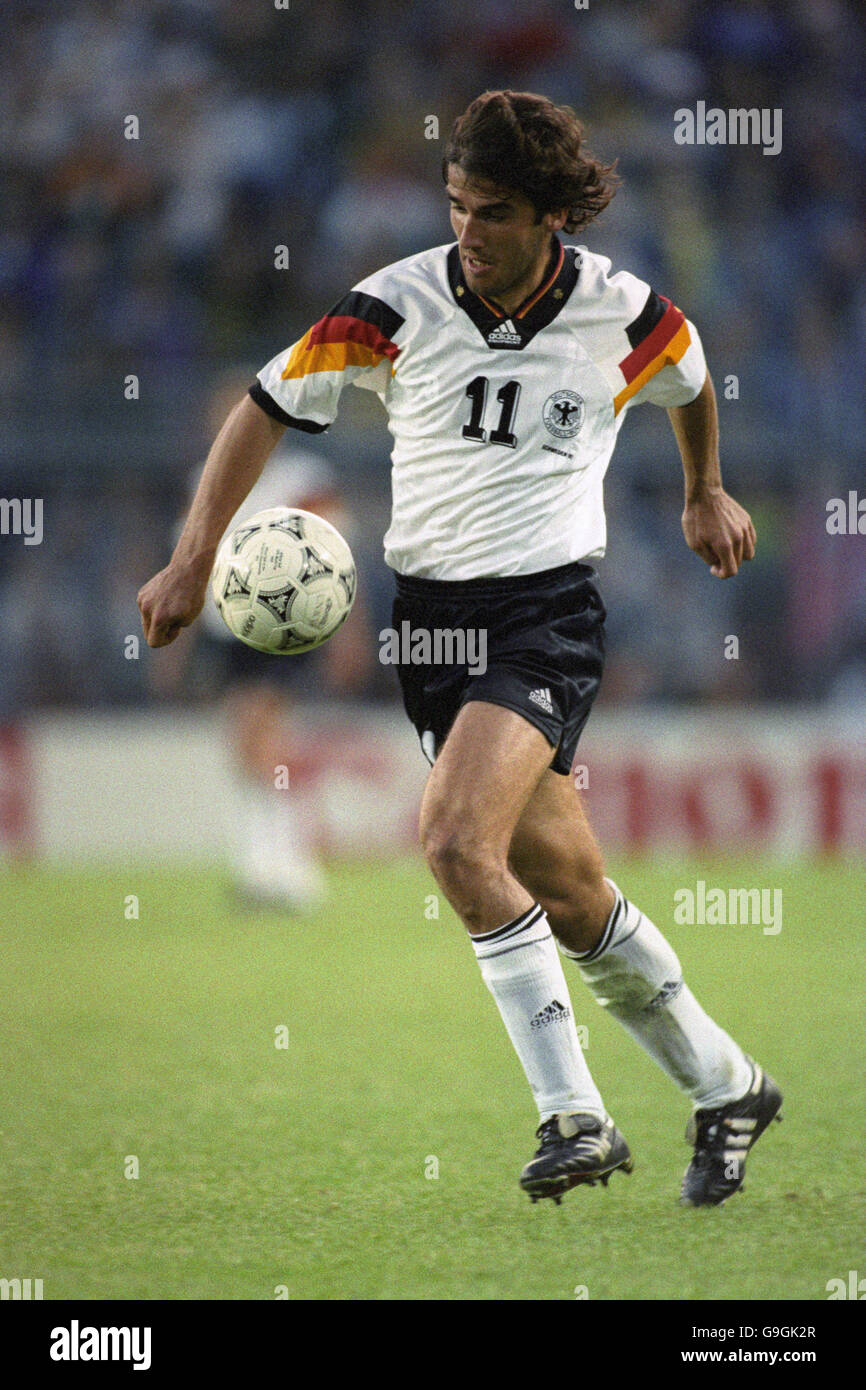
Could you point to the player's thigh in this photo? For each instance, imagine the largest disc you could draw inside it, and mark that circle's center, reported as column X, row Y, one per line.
column 553, row 851
column 486, row 772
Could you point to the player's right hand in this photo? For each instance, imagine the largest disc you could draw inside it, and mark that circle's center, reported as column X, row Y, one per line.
column 718, row 529
column 170, row 601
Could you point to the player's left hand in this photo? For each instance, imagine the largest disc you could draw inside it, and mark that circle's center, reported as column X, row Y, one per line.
column 719, row 530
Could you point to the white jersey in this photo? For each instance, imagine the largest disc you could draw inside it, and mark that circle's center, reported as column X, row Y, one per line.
column 503, row 425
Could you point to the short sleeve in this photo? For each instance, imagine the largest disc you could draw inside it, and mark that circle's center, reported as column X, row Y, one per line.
column 352, row 345
column 663, row 359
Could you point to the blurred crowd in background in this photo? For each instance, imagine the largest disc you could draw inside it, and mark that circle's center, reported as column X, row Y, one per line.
column 308, row 127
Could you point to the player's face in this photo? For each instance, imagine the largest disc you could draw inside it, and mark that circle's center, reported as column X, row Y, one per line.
column 503, row 245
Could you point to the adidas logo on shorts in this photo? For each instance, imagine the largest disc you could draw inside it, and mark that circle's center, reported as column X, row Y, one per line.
column 551, row 1013
column 542, row 699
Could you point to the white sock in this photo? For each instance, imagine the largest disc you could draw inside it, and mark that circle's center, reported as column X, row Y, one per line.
column 634, row 973
column 521, row 968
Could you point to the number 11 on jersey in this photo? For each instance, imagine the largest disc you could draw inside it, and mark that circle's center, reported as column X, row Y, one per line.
column 507, row 396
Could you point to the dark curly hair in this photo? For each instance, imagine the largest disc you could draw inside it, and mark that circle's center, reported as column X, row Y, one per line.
column 521, row 141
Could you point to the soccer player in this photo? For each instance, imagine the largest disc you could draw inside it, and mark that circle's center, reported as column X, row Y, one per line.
column 507, row 362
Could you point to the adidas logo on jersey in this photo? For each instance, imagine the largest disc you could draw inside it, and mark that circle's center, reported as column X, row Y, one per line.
column 542, row 699
column 551, row 1013
column 505, row 334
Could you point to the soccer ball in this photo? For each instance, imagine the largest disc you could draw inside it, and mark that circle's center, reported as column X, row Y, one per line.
column 284, row 581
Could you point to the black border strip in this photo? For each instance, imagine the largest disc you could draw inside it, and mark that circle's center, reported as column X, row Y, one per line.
column 276, row 412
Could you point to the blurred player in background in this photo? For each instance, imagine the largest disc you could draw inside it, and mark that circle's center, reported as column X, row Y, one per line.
column 272, row 847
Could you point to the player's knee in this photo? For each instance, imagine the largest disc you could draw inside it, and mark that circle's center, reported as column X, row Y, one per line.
column 455, row 850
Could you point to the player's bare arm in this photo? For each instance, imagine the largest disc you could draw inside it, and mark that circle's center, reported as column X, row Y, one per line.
column 715, row 526
column 174, row 597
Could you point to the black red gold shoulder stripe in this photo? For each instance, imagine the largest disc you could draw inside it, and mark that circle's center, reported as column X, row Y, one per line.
column 658, row 336
column 369, row 309
column 357, row 332
column 666, row 325
column 342, row 328
column 649, row 316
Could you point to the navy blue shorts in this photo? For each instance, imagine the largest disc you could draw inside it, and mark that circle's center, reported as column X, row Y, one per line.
column 543, row 651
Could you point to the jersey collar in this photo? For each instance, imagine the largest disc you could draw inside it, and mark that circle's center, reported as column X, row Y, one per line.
column 501, row 330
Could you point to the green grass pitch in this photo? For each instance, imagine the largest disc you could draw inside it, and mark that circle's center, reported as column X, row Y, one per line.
column 376, row 1155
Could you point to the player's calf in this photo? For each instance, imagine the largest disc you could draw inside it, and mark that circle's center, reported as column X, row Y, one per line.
column 578, row 919
column 554, row 854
